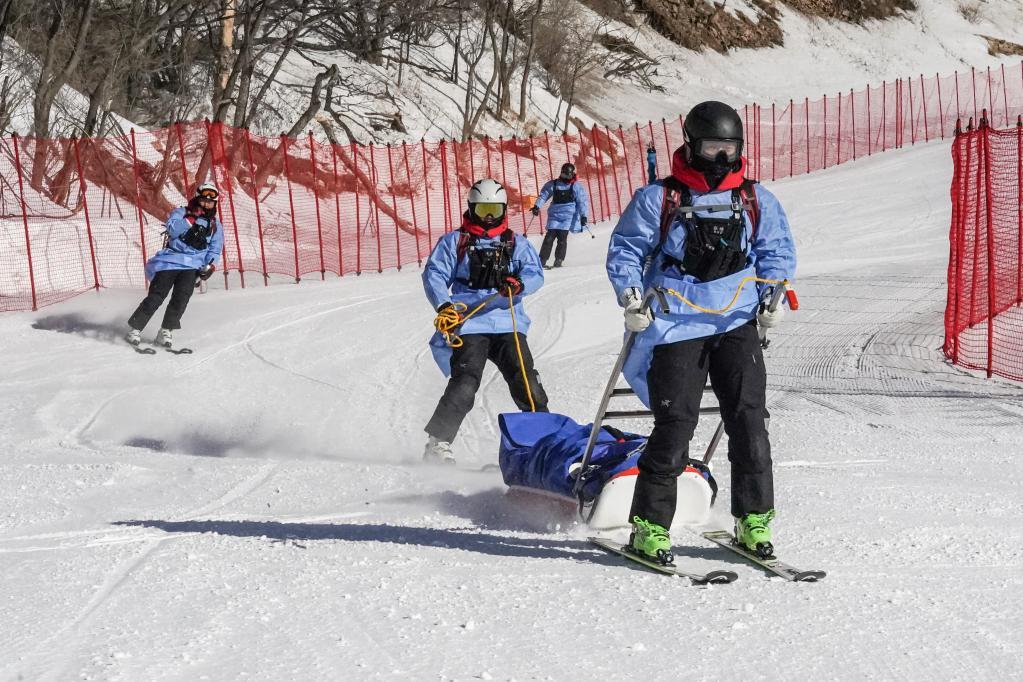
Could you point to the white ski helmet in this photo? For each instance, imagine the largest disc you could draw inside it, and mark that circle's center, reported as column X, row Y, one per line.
column 487, row 199
column 206, row 189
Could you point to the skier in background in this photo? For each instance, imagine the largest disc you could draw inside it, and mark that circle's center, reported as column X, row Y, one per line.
column 476, row 278
column 706, row 256
column 651, row 163
column 195, row 240
column 569, row 206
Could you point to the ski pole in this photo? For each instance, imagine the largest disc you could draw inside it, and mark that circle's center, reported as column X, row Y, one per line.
column 592, row 236
column 649, row 297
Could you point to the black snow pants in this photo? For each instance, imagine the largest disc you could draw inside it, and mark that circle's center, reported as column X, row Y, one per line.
column 548, row 243
column 467, row 363
column 677, row 375
column 183, row 283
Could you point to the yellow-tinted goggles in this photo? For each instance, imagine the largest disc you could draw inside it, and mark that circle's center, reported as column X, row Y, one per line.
column 211, row 194
column 484, row 210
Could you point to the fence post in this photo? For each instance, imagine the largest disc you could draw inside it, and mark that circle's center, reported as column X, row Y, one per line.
column 825, row 137
column 870, row 131
column 667, row 142
column 602, row 178
column 211, row 150
column 411, row 198
column 358, row 211
column 912, row 115
column 642, row 156
column 291, row 202
column 316, row 203
column 547, row 141
column 518, row 180
column 536, row 174
column 458, row 182
column 337, row 212
column 884, row 116
column 923, row 98
column 230, row 200
column 426, row 191
column 375, row 199
column 985, row 131
column 1005, row 97
column 486, row 148
column 138, row 202
column 838, row 134
column 990, row 98
column 806, row 111
column 472, row 160
column 255, row 200
column 941, row 109
column 852, row 115
column 774, row 143
column 24, row 218
column 792, row 138
column 959, row 110
column 85, row 206
column 973, row 79
column 614, row 170
column 625, row 156
column 394, row 207
column 589, row 176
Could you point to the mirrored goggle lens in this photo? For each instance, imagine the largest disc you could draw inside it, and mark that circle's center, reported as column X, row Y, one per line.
column 710, row 149
column 209, row 194
column 492, row 210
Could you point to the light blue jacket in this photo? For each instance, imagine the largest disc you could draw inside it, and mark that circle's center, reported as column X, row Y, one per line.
column 445, row 278
column 772, row 255
column 565, row 216
column 180, row 256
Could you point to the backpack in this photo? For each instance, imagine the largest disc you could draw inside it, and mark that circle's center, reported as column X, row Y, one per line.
column 487, row 267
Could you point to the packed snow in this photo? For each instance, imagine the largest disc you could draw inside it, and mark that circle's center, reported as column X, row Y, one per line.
column 258, row 509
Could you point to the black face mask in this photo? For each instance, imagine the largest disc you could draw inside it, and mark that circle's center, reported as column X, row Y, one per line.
column 714, row 172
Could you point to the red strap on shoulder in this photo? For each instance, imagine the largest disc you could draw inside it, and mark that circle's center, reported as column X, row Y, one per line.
column 748, row 194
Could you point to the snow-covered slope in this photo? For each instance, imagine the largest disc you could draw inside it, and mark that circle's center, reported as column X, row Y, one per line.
column 257, row 509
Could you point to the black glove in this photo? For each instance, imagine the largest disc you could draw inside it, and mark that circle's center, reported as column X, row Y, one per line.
column 535, row 210
column 443, row 306
column 198, row 236
column 582, row 221
column 511, row 285
column 206, row 271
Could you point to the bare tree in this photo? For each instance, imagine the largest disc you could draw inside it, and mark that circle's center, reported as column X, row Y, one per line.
column 527, row 67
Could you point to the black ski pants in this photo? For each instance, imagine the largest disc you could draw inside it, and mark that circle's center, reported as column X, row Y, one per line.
column 677, row 375
column 183, row 284
column 467, row 364
column 561, row 236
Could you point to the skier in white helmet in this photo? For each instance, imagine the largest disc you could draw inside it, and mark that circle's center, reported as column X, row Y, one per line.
column 195, row 240
column 476, row 278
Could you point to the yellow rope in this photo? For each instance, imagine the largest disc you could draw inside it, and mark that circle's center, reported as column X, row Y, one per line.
column 451, row 318
column 518, row 349
column 735, row 298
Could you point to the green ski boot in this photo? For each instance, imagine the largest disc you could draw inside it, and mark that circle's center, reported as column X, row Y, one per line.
column 650, row 541
column 753, row 533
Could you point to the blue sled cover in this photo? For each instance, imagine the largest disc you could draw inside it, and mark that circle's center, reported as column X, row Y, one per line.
column 542, row 450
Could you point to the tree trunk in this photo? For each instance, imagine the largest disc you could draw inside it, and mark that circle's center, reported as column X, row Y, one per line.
column 524, row 85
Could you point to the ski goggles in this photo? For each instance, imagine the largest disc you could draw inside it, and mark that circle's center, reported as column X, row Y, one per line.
column 210, row 194
column 711, row 148
column 491, row 210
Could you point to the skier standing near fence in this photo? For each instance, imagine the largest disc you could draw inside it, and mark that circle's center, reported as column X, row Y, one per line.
column 476, row 278
column 568, row 213
column 651, row 163
column 194, row 242
column 711, row 258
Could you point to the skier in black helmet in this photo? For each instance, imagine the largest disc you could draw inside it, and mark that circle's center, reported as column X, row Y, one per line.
column 568, row 213
column 713, row 258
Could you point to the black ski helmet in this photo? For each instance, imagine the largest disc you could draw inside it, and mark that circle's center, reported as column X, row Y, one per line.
column 719, row 126
column 567, row 171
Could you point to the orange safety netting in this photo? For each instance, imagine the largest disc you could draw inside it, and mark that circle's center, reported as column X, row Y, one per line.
column 984, row 311
column 83, row 213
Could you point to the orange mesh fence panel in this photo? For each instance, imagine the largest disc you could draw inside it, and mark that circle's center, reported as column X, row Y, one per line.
column 79, row 214
column 984, row 311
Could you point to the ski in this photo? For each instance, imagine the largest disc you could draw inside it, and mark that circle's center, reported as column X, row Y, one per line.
column 179, row 351
column 772, row 564
column 712, row 577
column 142, row 351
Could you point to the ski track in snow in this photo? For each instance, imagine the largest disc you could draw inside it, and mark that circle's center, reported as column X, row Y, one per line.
column 258, row 510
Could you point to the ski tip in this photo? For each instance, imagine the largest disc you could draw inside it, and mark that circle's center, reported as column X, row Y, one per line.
column 718, row 578
column 809, row 576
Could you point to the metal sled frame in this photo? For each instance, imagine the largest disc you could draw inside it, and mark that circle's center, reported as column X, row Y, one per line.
column 611, row 390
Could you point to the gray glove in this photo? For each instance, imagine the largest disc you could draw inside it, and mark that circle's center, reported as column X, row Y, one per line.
column 636, row 319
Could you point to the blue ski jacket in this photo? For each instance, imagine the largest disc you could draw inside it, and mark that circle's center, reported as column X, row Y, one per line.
column 635, row 239
column 178, row 255
column 445, row 278
column 570, row 203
